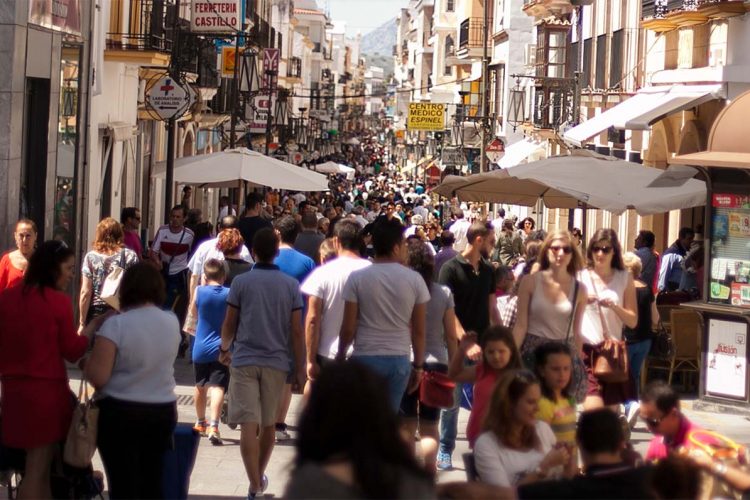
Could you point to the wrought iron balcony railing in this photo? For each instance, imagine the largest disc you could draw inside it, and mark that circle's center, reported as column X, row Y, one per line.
column 145, row 25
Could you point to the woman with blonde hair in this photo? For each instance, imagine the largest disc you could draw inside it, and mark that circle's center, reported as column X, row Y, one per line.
column 108, row 251
column 551, row 304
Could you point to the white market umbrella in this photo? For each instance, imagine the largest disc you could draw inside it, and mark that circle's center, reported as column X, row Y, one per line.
column 331, row 167
column 225, row 168
column 352, row 141
column 583, row 178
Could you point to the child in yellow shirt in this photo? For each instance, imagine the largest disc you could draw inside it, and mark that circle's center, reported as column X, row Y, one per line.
column 554, row 367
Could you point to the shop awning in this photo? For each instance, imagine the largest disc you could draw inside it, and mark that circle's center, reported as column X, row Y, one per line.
column 648, row 106
column 727, row 143
column 518, row 152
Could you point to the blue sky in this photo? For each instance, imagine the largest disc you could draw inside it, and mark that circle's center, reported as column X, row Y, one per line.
column 363, row 15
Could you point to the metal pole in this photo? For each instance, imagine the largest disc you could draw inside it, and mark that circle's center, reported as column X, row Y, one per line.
column 271, row 81
column 235, row 94
column 484, row 101
column 171, row 131
column 577, row 100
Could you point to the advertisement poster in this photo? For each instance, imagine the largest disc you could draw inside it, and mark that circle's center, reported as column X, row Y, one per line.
column 726, row 373
column 59, row 15
column 730, row 201
column 721, row 227
column 739, row 224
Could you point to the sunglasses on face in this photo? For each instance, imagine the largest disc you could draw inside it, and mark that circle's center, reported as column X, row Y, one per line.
column 604, row 250
column 565, row 249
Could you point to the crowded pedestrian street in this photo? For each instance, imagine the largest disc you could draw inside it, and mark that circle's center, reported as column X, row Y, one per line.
column 398, row 249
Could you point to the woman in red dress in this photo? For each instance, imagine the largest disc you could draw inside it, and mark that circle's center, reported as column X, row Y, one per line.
column 13, row 264
column 37, row 335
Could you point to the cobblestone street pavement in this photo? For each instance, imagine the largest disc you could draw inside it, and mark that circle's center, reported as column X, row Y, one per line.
column 219, row 472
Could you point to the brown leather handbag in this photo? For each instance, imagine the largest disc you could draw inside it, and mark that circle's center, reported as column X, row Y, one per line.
column 611, row 360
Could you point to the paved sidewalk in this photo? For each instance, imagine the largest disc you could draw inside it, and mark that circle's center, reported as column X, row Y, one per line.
column 219, row 472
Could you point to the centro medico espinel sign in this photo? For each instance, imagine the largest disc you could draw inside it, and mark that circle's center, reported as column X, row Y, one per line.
column 215, row 16
column 426, row 116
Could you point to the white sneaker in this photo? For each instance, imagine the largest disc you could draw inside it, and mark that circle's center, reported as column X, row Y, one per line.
column 283, row 436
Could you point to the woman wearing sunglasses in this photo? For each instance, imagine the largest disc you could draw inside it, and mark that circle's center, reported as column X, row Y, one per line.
column 611, row 305
column 546, row 302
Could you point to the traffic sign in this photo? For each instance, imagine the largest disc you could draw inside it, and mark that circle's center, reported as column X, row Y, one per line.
column 168, row 98
column 495, row 150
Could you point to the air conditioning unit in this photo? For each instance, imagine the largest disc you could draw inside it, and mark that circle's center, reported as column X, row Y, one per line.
column 530, row 55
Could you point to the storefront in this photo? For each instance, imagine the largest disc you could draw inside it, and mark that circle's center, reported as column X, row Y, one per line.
column 725, row 311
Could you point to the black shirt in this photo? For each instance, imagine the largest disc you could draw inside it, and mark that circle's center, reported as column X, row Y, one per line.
column 248, row 226
column 471, row 291
column 642, row 331
column 611, row 481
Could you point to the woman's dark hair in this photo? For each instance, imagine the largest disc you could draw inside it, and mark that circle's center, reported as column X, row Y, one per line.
column 43, row 270
column 523, row 221
column 541, row 356
column 500, row 415
column 609, row 236
column 29, row 222
column 141, row 284
column 505, row 335
column 345, row 399
column 386, row 234
column 420, row 259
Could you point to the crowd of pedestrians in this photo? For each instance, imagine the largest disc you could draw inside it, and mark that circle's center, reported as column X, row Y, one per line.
column 363, row 298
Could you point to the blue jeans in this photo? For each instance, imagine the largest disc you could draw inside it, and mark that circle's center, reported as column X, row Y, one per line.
column 637, row 354
column 449, row 424
column 395, row 370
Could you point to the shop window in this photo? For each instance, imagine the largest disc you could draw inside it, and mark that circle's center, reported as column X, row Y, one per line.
column 729, row 264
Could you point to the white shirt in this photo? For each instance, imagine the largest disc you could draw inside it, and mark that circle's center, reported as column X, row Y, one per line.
column 501, row 466
column 459, row 230
column 591, row 326
column 423, row 212
column 327, row 283
column 224, row 211
column 207, row 251
column 147, row 340
column 386, row 295
column 173, row 247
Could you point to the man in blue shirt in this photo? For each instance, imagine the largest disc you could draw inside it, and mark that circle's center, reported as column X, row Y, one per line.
column 297, row 265
column 670, row 273
column 265, row 310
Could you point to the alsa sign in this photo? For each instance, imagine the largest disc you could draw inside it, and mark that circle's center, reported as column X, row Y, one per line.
column 215, row 16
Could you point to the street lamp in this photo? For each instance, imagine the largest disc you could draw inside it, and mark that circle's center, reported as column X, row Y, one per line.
column 516, row 106
column 249, row 74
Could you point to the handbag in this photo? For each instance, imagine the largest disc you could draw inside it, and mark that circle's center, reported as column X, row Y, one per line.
column 111, row 288
column 436, row 390
column 80, row 444
column 723, row 450
column 662, row 345
column 611, row 363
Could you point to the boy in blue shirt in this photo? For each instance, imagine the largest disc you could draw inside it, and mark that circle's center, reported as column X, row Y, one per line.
column 211, row 376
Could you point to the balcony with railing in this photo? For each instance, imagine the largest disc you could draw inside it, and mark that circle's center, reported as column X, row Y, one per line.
column 554, row 100
column 667, row 15
column 142, row 33
column 470, row 36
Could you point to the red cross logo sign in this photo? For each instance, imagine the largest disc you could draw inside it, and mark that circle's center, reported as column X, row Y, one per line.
column 167, row 87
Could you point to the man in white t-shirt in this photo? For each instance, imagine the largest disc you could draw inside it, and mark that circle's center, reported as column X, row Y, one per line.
column 385, row 314
column 324, row 287
column 459, row 229
column 171, row 248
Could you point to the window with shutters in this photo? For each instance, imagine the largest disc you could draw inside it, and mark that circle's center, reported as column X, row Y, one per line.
column 586, row 68
column 601, row 62
column 616, row 59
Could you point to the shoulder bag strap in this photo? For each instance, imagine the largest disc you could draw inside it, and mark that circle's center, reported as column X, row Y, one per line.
column 572, row 312
column 169, row 264
column 605, row 332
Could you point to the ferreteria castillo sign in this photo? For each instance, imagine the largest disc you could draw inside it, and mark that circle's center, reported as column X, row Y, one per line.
column 426, row 116
column 215, row 16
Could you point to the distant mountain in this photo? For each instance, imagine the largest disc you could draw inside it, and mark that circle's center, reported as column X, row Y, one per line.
column 380, row 41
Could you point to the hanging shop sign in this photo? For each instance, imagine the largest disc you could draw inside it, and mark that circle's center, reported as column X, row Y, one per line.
column 495, row 150
column 452, row 157
column 168, row 98
column 256, row 113
column 425, row 116
column 227, row 61
column 215, row 16
column 58, row 15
